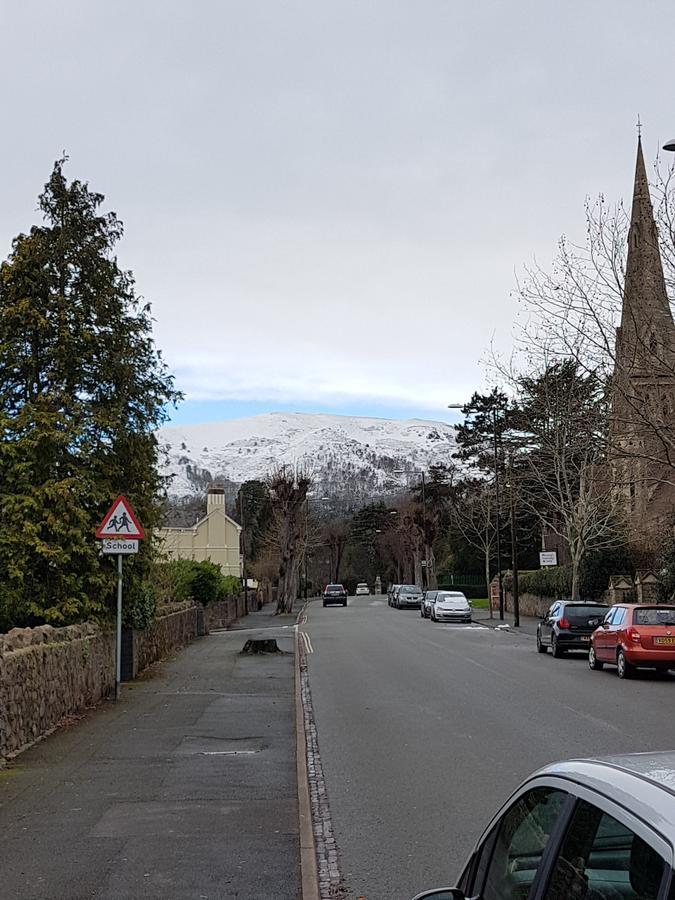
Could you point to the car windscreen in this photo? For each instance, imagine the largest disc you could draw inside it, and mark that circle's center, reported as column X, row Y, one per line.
column 585, row 615
column 334, row 587
column 456, row 598
column 654, row 616
column 410, row 589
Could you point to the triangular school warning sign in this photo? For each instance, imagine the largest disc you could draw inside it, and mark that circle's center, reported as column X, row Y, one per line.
column 120, row 522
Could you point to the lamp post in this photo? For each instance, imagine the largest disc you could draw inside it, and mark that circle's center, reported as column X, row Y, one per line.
column 309, row 500
column 497, row 503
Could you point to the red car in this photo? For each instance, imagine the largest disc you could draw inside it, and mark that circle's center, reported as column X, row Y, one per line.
column 635, row 636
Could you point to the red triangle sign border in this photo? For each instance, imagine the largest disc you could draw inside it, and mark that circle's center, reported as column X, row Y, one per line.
column 101, row 531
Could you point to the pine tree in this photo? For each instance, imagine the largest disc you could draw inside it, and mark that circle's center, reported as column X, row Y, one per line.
column 82, row 390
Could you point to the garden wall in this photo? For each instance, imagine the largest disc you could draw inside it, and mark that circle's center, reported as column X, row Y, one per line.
column 47, row 674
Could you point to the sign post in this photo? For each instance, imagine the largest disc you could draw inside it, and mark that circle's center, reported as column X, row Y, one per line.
column 120, row 532
column 548, row 558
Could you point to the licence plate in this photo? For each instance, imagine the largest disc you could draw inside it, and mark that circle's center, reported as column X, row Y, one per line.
column 585, row 639
column 665, row 640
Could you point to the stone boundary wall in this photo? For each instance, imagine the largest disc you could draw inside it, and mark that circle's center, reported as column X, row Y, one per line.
column 163, row 637
column 529, row 604
column 47, row 674
column 222, row 613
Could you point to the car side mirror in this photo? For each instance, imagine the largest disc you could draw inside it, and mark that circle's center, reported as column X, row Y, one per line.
column 605, row 625
column 441, row 894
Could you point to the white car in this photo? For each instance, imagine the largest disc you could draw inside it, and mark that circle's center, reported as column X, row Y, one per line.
column 451, row 606
column 362, row 588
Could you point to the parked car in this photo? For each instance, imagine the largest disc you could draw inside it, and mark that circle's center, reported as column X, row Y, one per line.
column 391, row 593
column 408, row 596
column 335, row 593
column 450, row 606
column 362, row 588
column 635, row 636
column 568, row 625
column 589, row 829
column 428, row 600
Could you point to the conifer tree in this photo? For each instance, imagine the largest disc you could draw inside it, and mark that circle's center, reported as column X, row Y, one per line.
column 82, row 391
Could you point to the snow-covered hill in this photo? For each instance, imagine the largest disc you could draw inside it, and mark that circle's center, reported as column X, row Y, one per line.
column 347, row 456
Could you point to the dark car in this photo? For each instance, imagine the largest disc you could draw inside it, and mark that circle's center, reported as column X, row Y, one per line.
column 568, row 625
column 589, row 829
column 335, row 593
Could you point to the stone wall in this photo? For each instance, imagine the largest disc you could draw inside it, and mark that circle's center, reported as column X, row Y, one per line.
column 47, row 674
column 528, row 604
column 163, row 637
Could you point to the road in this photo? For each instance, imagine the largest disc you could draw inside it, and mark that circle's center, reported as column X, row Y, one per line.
column 424, row 729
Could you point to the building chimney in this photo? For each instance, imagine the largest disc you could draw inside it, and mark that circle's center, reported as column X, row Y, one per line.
column 215, row 497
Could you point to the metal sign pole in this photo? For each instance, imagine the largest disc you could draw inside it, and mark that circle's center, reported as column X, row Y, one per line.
column 118, row 647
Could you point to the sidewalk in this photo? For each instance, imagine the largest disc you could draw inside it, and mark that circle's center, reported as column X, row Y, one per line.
column 528, row 624
column 184, row 789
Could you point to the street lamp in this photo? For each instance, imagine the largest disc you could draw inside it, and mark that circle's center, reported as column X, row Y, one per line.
column 425, row 578
column 499, row 544
column 309, row 500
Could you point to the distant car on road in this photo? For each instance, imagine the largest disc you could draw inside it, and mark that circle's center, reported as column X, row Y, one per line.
column 586, row 829
column 428, row 601
column 335, row 593
column 408, row 596
column 568, row 625
column 450, row 606
column 635, row 636
column 362, row 588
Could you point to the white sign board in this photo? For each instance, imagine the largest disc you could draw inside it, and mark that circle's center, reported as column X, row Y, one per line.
column 112, row 545
column 548, row 558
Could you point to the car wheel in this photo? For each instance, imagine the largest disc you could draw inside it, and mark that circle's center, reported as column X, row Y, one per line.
column 344, row 602
column 623, row 668
column 662, row 673
column 593, row 661
column 556, row 649
column 541, row 648
column 325, row 604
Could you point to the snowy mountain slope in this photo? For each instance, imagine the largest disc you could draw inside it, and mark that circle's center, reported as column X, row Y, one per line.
column 345, row 454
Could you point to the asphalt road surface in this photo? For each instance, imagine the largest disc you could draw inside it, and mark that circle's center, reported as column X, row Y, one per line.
column 424, row 729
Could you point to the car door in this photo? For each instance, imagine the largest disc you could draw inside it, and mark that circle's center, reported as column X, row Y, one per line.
column 612, row 633
column 605, row 857
column 548, row 622
column 600, row 636
column 506, row 863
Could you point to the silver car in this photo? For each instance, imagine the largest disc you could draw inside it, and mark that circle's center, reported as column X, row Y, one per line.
column 408, row 596
column 585, row 829
column 451, row 606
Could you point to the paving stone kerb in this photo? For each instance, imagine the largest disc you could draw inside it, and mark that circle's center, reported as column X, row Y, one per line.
column 48, row 674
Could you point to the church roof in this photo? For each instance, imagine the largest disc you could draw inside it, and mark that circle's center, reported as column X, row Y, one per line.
column 647, row 332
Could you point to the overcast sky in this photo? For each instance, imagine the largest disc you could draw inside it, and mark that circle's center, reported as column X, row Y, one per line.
column 326, row 202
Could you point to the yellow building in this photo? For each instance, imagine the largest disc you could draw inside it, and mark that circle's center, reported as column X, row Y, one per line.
column 215, row 537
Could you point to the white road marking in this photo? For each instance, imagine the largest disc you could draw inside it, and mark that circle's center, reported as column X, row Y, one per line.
column 307, row 642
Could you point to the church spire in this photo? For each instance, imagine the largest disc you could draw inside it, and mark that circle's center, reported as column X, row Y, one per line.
column 647, row 328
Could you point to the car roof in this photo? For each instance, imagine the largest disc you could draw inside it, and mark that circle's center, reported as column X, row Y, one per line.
column 646, row 605
column 643, row 783
column 583, row 603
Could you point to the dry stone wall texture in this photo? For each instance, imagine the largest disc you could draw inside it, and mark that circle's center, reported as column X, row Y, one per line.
column 47, row 674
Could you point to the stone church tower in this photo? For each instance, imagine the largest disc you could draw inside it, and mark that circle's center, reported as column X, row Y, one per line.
column 643, row 393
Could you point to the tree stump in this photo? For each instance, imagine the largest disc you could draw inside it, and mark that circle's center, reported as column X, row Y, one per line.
column 268, row 645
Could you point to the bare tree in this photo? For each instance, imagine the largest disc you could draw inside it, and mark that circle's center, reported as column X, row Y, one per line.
column 287, row 533
column 473, row 516
column 572, row 311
